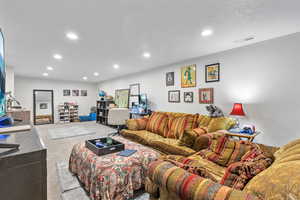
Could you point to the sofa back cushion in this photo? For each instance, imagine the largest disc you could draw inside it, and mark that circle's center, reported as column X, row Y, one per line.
column 203, row 120
column 176, row 126
column 220, row 123
column 225, row 151
column 158, row 123
column 191, row 118
column 191, row 122
column 282, row 179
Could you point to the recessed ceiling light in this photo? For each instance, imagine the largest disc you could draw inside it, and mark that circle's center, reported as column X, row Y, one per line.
column 96, row 74
column 207, row 32
column 84, row 78
column 116, row 66
column 72, row 36
column 45, row 74
column 57, row 56
column 147, row 55
column 49, row 68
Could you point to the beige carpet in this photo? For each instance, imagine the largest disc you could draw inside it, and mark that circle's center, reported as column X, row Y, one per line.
column 60, row 149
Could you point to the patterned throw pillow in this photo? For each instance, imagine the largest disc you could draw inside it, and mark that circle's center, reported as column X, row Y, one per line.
column 191, row 122
column 189, row 137
column 224, row 151
column 176, row 127
column 238, row 174
column 137, row 124
column 158, row 123
column 200, row 130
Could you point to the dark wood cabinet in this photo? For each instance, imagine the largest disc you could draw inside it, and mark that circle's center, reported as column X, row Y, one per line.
column 23, row 173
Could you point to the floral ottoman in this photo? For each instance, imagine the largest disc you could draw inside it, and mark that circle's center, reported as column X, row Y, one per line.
column 111, row 177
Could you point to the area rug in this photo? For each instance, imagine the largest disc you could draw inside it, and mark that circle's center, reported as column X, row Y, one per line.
column 72, row 190
column 69, row 131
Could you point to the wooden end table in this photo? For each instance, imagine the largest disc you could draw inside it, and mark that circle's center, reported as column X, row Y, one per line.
column 243, row 135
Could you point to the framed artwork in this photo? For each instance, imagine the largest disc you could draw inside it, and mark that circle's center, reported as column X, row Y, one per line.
column 134, row 89
column 188, row 97
column 188, row 76
column 43, row 106
column 206, row 95
column 134, row 101
column 169, row 78
column 75, row 93
column 122, row 98
column 212, row 73
column 83, row 93
column 66, row 92
column 174, row 96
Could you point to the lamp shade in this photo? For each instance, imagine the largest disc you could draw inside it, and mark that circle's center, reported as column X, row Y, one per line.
column 238, row 110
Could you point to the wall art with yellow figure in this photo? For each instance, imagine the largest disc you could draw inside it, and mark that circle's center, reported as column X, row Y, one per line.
column 188, row 76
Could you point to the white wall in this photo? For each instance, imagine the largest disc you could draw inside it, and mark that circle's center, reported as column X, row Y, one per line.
column 24, row 93
column 265, row 77
column 10, row 79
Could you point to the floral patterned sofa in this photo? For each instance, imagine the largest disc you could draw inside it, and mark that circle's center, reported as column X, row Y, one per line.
column 228, row 170
column 175, row 133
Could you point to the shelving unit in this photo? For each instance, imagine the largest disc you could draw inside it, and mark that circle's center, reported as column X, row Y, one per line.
column 68, row 112
column 73, row 109
column 102, row 111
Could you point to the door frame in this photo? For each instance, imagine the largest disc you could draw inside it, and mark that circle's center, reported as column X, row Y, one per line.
column 34, row 105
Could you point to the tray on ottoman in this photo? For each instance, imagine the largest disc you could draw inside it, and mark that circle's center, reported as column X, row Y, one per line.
column 103, row 146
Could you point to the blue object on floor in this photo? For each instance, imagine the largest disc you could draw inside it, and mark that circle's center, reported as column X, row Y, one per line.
column 5, row 122
column 4, row 137
column 90, row 117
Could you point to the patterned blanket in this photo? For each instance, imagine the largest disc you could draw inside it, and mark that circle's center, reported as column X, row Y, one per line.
column 111, row 177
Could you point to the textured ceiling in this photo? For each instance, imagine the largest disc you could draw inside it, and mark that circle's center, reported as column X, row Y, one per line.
column 119, row 31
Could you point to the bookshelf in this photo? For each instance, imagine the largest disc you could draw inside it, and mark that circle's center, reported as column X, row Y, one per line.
column 102, row 111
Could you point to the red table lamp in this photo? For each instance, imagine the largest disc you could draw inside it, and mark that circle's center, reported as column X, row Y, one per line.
column 238, row 110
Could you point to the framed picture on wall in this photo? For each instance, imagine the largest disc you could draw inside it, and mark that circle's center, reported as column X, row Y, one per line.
column 188, row 76
column 170, row 79
column 66, row 92
column 212, row 73
column 134, row 101
column 75, row 93
column 122, row 98
column 134, row 89
column 83, row 93
column 206, row 96
column 188, row 97
column 43, row 106
column 174, row 96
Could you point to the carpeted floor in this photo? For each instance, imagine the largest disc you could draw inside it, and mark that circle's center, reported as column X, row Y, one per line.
column 60, row 149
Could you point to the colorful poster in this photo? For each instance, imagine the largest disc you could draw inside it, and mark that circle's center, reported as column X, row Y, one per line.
column 188, row 76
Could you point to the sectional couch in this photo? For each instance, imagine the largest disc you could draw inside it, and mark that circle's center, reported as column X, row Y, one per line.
column 175, row 133
column 255, row 179
column 200, row 163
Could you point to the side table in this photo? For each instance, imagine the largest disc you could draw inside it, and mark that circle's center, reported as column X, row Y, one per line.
column 243, row 135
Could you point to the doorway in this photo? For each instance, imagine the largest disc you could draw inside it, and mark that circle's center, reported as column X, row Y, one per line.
column 43, row 109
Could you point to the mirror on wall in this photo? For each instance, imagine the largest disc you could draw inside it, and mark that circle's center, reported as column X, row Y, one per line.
column 43, row 112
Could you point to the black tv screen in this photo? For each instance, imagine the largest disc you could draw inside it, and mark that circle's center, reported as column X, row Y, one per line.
column 2, row 76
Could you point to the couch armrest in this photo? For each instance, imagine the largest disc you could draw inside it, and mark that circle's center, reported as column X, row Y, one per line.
column 137, row 124
column 190, row 186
